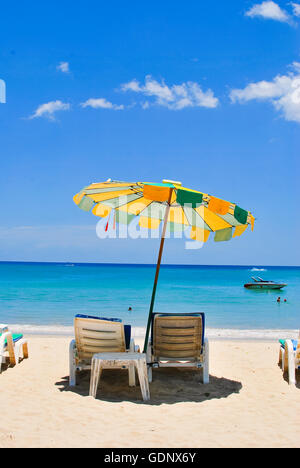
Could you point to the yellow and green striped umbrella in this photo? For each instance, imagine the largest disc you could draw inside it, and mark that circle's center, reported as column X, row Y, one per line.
column 202, row 212
column 168, row 202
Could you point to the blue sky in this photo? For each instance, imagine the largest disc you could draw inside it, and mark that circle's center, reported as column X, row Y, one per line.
column 207, row 93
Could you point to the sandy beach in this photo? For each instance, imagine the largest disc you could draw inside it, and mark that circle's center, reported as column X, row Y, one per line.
column 247, row 403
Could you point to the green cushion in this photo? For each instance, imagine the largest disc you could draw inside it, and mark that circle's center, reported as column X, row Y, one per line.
column 15, row 336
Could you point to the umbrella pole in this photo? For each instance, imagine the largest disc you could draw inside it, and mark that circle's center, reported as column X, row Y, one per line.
column 162, row 241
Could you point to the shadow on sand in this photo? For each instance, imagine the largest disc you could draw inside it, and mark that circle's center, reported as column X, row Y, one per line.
column 6, row 365
column 169, row 386
column 286, row 377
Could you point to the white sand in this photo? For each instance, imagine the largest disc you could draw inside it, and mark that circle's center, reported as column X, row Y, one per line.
column 247, row 403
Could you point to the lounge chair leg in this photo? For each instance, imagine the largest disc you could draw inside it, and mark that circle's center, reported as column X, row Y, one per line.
column 10, row 348
column 142, row 373
column 285, row 361
column 148, row 357
column 205, row 377
column 96, row 372
column 280, row 357
column 17, row 352
column 292, row 376
column 25, row 350
column 131, row 374
column 206, row 362
column 2, row 361
column 290, row 359
column 18, row 346
column 150, row 374
column 72, row 361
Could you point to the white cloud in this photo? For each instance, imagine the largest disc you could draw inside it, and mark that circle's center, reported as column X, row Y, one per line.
column 296, row 8
column 175, row 97
column 269, row 10
column 283, row 92
column 48, row 109
column 63, row 67
column 101, row 103
column 133, row 85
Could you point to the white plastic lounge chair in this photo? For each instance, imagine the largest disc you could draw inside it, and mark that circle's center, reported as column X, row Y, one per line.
column 11, row 346
column 95, row 335
column 289, row 358
column 178, row 341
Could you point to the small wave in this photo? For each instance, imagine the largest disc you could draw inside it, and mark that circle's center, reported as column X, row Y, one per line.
column 32, row 329
column 258, row 269
column 234, row 334
column 41, row 329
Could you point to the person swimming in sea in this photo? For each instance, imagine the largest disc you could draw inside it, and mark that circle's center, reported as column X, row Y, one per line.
column 278, row 299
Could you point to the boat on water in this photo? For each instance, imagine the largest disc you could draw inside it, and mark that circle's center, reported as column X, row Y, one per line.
column 259, row 283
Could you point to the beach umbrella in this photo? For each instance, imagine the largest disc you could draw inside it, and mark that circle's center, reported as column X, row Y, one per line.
column 167, row 203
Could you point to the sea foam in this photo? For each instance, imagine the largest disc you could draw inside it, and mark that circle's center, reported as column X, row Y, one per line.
column 139, row 332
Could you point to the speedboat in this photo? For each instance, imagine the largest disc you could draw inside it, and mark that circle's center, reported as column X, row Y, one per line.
column 259, row 283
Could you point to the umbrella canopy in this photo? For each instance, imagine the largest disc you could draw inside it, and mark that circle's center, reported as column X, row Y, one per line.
column 203, row 212
column 178, row 207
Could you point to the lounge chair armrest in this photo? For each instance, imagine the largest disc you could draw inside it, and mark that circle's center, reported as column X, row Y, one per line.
column 72, row 363
column 72, row 350
column 72, row 346
column 205, row 345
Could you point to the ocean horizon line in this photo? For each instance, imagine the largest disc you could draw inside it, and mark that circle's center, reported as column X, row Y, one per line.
column 180, row 265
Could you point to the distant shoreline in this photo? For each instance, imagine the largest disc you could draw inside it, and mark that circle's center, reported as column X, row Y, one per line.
column 139, row 332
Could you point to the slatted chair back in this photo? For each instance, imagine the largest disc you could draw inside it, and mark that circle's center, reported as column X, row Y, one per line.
column 98, row 336
column 178, row 337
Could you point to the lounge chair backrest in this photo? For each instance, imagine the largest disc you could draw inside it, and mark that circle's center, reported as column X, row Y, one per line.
column 176, row 336
column 98, row 336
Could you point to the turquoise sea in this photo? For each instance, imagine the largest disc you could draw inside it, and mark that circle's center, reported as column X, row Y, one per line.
column 44, row 297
